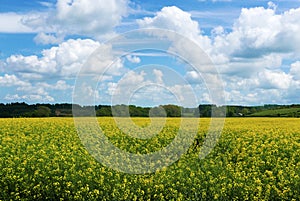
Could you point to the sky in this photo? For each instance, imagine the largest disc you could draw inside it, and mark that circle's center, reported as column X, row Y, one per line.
column 150, row 52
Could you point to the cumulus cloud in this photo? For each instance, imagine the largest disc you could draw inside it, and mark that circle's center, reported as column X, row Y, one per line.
column 30, row 75
column 96, row 18
column 184, row 94
column 90, row 17
column 43, row 38
column 66, row 59
column 27, row 91
column 29, row 98
column 59, row 85
column 12, row 23
column 12, row 80
column 275, row 79
column 104, row 62
column 122, row 91
column 158, row 76
column 35, row 92
column 193, row 77
column 295, row 70
column 250, row 57
column 133, row 59
column 272, row 5
column 174, row 19
column 272, row 33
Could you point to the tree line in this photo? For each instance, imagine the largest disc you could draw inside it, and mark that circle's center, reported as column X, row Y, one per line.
column 66, row 110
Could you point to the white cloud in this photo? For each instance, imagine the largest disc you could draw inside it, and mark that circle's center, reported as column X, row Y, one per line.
column 218, row 31
column 29, row 98
column 193, row 77
column 12, row 80
column 184, row 94
column 133, row 59
column 29, row 92
column 59, row 85
column 33, row 89
column 111, row 88
column 104, row 62
column 132, row 78
column 250, row 57
column 96, row 18
column 66, row 59
column 295, row 70
column 272, row 5
column 86, row 94
column 159, row 76
column 13, row 97
column 40, row 91
column 43, row 38
column 126, row 86
column 275, row 79
column 90, row 16
column 134, row 87
column 12, row 23
column 249, row 35
column 174, row 19
column 46, row 4
column 272, row 33
column 122, row 91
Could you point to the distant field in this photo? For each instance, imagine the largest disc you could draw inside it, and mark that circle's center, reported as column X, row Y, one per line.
column 255, row 159
column 286, row 112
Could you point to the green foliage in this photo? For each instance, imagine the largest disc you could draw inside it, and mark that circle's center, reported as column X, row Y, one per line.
column 203, row 110
column 172, row 110
column 104, row 111
column 286, row 112
column 157, row 112
column 41, row 111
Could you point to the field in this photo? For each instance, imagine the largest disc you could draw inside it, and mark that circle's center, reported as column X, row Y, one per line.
column 255, row 159
column 285, row 112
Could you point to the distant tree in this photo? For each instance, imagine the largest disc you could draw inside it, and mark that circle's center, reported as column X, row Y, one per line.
column 120, row 110
column 172, row 110
column 230, row 111
column 253, row 110
column 104, row 111
column 205, row 110
column 42, row 111
column 196, row 112
column 157, row 112
column 137, row 111
column 245, row 111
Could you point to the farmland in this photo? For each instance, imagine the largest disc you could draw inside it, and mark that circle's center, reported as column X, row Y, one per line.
column 286, row 112
column 254, row 159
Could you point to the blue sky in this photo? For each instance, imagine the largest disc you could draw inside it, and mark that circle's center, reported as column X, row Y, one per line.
column 253, row 47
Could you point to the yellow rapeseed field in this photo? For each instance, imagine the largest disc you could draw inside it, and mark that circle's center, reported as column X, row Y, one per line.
column 254, row 159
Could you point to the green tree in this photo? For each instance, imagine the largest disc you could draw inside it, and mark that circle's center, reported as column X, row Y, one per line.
column 104, row 111
column 245, row 111
column 42, row 111
column 172, row 110
column 120, row 110
column 157, row 112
